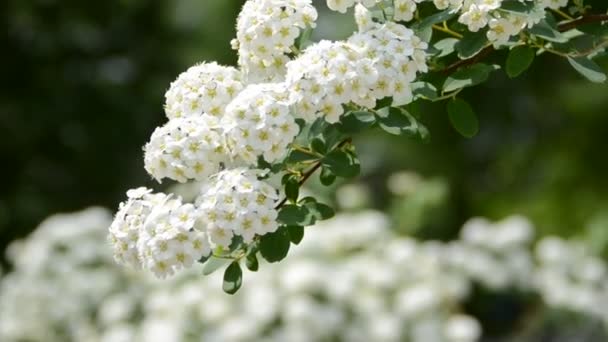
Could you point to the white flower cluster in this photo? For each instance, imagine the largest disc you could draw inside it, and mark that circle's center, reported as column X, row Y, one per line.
column 266, row 33
column 157, row 232
column 570, row 277
column 502, row 24
column 343, row 5
column 351, row 279
column 328, row 75
column 185, row 148
column 397, row 54
column 202, row 90
column 235, row 202
column 258, row 122
column 372, row 64
column 475, row 14
column 495, row 255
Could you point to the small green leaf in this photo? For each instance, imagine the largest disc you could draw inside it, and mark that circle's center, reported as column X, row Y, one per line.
column 292, row 189
column 356, row 121
column 517, row 6
column 320, row 211
column 400, row 121
column 297, row 156
column 384, row 102
column 275, row 246
column 303, row 38
column 213, row 264
column 326, row 177
column 204, row 258
column 471, row 44
column 251, row 261
column 425, row 90
column 434, row 19
column 233, row 278
column 463, row 118
column 545, row 30
column 317, row 127
column 395, row 122
column 318, row 145
column 296, row 234
column 342, row 163
column 518, row 60
column 468, row 77
column 588, row 68
column 445, row 46
column 291, row 214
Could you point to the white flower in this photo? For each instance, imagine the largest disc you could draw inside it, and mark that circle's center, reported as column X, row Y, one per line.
column 235, row 202
column 266, row 32
column 462, row 328
column 404, row 10
column 343, row 5
column 185, row 148
column 553, row 4
column 475, row 18
column 326, row 76
column 202, row 90
column 397, row 54
column 500, row 31
column 156, row 232
column 363, row 18
column 258, row 122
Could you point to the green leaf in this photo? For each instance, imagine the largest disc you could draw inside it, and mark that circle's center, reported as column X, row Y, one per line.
column 303, row 38
column 292, row 189
column 517, row 6
column 434, row 19
column 544, row 30
column 233, row 278
column 395, row 122
column 275, row 246
column 317, row 127
column 424, row 90
column 331, row 135
column 463, row 118
column 384, row 102
column 518, row 60
column 588, row 68
column 318, row 210
column 342, row 163
column 468, row 77
column 445, row 46
column 291, row 214
column 318, row 145
column 204, row 258
column 213, row 264
column 297, row 156
column 251, row 261
column 400, row 121
column 356, row 121
column 471, row 44
column 296, row 234
column 326, row 177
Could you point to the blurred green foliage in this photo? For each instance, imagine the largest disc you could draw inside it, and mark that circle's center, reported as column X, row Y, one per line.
column 83, row 90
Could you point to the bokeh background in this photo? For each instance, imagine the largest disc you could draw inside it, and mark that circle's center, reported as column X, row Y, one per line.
column 83, row 86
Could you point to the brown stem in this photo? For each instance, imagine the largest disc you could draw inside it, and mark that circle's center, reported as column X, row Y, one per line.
column 585, row 19
column 308, row 173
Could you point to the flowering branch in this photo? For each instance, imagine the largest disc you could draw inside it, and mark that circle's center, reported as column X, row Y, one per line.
column 585, row 19
column 307, row 174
